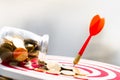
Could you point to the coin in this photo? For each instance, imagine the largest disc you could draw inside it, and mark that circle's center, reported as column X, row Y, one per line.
column 67, row 67
column 68, row 73
column 32, row 42
column 18, row 43
column 20, row 54
column 53, row 72
column 8, row 45
column 39, row 70
column 5, row 54
column 32, row 46
column 76, row 71
column 29, row 47
column 53, row 65
column 28, row 65
column 80, row 77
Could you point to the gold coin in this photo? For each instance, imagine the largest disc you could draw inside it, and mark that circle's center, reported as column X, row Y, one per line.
column 9, row 46
column 80, row 77
column 76, row 71
column 5, row 54
column 20, row 54
column 39, row 70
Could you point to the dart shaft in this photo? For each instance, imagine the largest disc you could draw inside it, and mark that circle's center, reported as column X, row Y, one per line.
column 84, row 46
column 77, row 58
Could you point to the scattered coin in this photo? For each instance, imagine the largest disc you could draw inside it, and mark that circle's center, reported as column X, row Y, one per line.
column 39, row 70
column 80, row 77
column 53, row 65
column 53, row 72
column 67, row 67
column 76, row 71
column 28, row 65
column 68, row 73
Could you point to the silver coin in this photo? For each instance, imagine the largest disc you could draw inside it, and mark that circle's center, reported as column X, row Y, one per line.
column 67, row 67
column 68, row 73
column 51, row 65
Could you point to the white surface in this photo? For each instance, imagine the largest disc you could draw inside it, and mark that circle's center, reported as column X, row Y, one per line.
column 67, row 23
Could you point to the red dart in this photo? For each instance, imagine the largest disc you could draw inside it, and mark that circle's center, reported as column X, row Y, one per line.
column 96, row 26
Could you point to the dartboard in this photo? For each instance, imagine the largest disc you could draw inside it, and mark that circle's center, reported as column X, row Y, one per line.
column 94, row 70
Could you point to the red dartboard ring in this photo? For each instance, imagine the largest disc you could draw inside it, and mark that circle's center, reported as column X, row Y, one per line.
column 95, row 72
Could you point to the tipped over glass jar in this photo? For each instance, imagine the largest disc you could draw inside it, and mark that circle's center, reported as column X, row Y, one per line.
column 22, row 47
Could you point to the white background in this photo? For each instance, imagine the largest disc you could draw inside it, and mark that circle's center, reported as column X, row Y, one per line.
column 67, row 23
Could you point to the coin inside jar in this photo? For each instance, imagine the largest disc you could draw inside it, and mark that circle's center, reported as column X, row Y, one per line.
column 20, row 54
column 29, row 47
column 32, row 46
column 18, row 43
column 5, row 54
column 29, row 43
column 9, row 46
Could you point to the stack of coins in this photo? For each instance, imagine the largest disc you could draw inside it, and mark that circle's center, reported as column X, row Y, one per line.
column 67, row 70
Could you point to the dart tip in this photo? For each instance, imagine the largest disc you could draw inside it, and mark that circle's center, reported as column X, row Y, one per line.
column 76, row 60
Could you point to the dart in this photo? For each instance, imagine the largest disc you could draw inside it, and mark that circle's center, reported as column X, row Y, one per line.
column 96, row 25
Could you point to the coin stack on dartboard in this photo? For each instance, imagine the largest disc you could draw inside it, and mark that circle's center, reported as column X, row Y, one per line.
column 56, row 68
